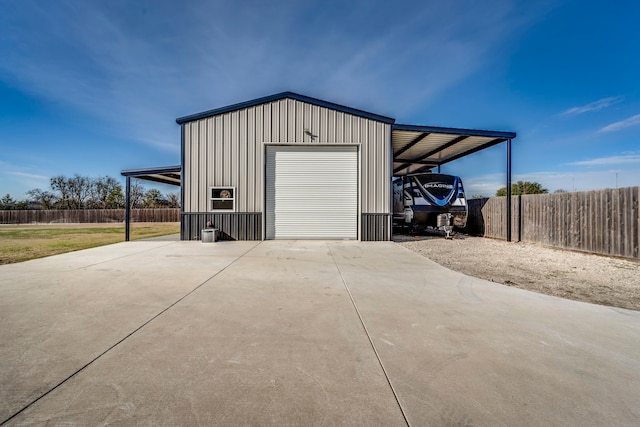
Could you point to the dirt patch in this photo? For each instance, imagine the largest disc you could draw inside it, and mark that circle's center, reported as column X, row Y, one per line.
column 573, row 275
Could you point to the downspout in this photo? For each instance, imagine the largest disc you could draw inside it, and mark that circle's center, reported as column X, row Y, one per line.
column 127, row 210
column 183, row 233
column 389, row 235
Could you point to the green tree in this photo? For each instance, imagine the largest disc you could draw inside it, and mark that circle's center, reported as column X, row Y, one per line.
column 153, row 199
column 115, row 199
column 106, row 193
column 523, row 187
column 7, row 202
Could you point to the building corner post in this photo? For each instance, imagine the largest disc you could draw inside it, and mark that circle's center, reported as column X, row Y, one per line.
column 508, row 190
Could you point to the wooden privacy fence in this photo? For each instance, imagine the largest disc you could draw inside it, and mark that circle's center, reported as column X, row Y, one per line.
column 88, row 216
column 601, row 221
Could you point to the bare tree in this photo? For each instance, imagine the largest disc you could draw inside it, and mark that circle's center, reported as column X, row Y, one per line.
column 136, row 195
column 80, row 189
column 60, row 185
column 81, row 192
column 173, row 200
column 46, row 199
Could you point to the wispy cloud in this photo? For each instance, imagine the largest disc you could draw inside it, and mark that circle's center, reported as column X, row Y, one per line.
column 138, row 67
column 631, row 121
column 593, row 106
column 623, row 159
column 29, row 175
column 16, row 182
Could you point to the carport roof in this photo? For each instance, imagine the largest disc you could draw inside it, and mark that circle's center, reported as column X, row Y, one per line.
column 420, row 148
column 165, row 175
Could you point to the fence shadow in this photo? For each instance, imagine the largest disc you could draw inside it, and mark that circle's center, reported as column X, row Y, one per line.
column 476, row 225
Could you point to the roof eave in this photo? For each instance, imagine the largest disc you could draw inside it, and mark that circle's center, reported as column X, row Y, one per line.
column 456, row 131
column 151, row 171
column 284, row 95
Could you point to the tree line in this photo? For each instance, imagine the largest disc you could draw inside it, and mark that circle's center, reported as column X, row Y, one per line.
column 523, row 187
column 83, row 192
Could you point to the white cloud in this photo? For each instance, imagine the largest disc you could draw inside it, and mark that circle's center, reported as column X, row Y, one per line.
column 631, row 121
column 30, row 176
column 483, row 185
column 609, row 161
column 593, row 106
column 18, row 183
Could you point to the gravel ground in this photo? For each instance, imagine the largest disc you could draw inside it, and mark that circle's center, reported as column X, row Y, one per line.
column 567, row 274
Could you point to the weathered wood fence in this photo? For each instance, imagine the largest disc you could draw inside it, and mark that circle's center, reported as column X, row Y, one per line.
column 600, row 221
column 88, row 216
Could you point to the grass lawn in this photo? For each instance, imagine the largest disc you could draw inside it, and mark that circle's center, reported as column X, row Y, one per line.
column 24, row 242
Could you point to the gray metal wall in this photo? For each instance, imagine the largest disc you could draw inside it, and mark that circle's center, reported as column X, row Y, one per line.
column 375, row 227
column 228, row 150
column 231, row 226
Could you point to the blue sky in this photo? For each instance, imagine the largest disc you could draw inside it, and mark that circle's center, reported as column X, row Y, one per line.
column 94, row 87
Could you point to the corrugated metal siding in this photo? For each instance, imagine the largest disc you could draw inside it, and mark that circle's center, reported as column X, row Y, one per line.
column 228, row 150
column 375, row 227
column 231, row 226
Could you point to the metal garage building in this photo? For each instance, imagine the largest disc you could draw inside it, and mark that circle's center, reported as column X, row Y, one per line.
column 288, row 166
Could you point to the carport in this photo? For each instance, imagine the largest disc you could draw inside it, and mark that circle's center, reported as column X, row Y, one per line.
column 170, row 175
column 422, row 148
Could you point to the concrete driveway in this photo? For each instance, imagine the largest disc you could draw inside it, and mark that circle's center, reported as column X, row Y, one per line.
column 163, row 332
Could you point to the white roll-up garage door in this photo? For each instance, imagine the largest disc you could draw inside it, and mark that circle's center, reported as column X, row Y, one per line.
column 312, row 192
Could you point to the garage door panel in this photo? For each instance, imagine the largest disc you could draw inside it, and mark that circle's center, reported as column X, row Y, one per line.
column 312, row 192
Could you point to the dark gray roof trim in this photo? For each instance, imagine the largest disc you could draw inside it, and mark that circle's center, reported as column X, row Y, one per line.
column 456, row 131
column 151, row 171
column 280, row 96
column 171, row 175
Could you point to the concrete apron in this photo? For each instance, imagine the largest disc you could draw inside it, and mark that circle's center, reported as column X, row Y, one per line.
column 299, row 332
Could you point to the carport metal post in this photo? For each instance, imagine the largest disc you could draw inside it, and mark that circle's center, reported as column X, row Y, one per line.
column 164, row 175
column 508, row 190
column 127, row 216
